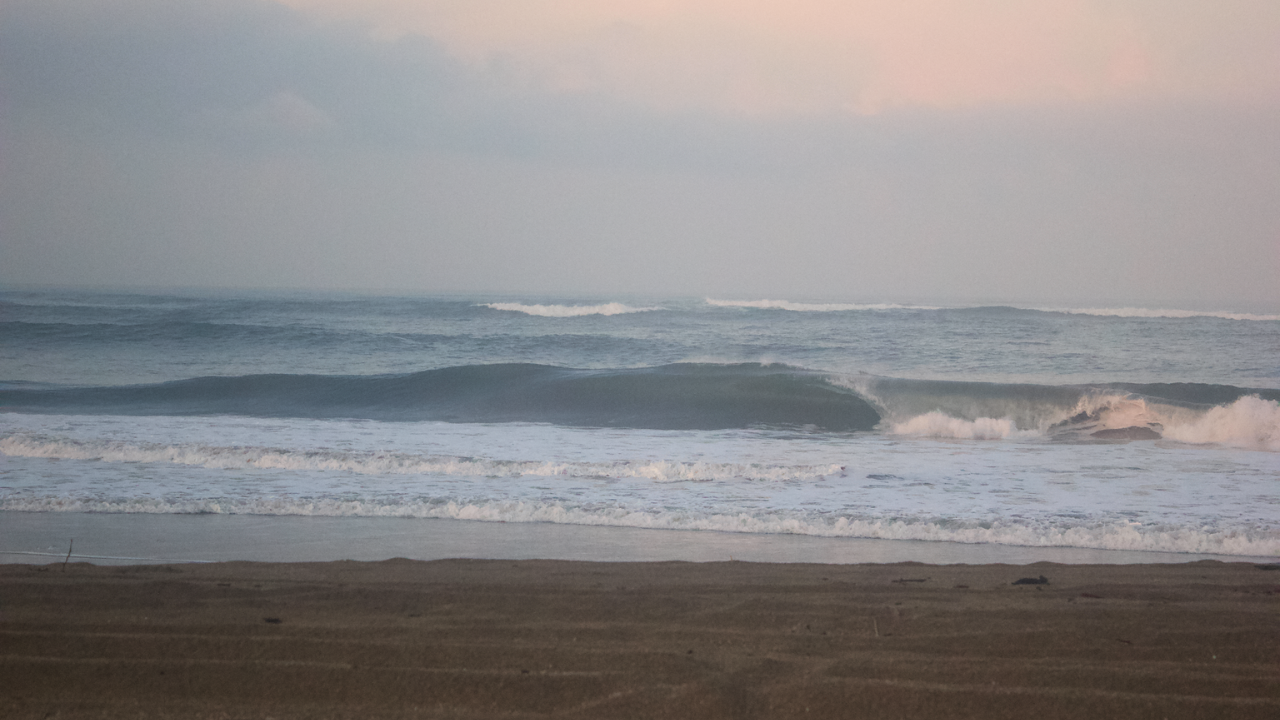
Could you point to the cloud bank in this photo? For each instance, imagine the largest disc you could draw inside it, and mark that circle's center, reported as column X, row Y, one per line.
column 534, row 148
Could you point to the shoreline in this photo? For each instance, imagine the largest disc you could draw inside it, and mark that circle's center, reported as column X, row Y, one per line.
column 140, row 538
column 542, row 638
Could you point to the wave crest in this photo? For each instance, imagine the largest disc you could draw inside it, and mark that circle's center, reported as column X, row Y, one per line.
column 809, row 307
column 1133, row 312
column 564, row 311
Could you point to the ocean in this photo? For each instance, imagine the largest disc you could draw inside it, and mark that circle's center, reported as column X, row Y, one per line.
column 707, row 423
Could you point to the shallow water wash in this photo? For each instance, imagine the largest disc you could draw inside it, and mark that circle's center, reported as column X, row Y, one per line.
column 1118, row 428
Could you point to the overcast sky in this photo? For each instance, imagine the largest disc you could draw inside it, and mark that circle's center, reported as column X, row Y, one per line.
column 1025, row 151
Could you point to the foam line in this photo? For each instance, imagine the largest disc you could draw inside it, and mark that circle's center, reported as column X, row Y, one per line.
column 1101, row 534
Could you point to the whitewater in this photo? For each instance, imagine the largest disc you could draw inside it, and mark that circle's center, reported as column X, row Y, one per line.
column 1116, row 429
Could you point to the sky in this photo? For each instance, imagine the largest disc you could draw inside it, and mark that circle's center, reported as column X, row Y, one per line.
column 1087, row 152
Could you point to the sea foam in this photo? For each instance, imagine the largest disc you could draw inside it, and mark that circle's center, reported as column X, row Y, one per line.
column 1250, row 423
column 940, row 425
column 365, row 463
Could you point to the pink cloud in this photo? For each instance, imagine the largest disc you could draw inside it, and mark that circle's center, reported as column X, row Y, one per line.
column 825, row 55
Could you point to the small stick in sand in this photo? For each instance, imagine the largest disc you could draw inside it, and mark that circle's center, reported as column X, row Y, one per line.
column 64, row 562
column 875, row 626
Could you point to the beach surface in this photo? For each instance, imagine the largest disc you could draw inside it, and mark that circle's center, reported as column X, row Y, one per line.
column 542, row 638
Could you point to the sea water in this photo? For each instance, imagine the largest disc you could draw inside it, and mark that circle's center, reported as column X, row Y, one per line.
column 1108, row 429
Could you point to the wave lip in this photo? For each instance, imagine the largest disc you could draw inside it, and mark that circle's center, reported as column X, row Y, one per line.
column 810, row 307
column 566, row 311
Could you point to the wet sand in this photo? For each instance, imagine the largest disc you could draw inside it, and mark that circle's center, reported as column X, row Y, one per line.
column 536, row 638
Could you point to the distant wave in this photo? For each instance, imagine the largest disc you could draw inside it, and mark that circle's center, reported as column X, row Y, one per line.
column 564, row 311
column 1121, row 312
column 1160, row 313
column 810, row 307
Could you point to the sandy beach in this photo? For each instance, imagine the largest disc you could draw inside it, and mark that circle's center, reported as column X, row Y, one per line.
column 500, row 638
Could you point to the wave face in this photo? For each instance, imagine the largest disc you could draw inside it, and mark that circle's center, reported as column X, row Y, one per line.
column 564, row 311
column 672, row 397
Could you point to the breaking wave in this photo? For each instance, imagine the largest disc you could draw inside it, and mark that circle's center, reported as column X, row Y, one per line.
column 564, row 311
column 693, row 396
column 1183, row 412
column 1250, row 423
